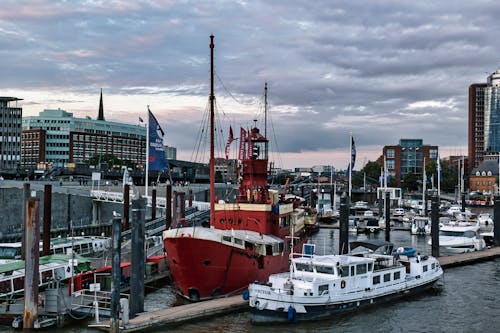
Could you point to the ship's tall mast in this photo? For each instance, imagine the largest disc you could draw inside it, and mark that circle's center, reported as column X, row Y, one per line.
column 265, row 110
column 212, row 166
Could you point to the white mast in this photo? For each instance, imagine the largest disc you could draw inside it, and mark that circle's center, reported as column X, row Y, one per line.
column 350, row 164
column 424, row 187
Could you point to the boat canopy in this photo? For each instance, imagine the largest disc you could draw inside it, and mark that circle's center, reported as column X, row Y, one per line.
column 373, row 244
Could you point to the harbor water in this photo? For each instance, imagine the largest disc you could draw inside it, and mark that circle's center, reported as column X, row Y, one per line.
column 466, row 300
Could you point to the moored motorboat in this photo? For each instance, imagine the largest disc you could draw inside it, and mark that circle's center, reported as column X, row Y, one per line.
column 420, row 225
column 460, row 238
column 319, row 287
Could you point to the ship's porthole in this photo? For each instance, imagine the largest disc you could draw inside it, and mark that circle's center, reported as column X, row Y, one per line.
column 207, row 262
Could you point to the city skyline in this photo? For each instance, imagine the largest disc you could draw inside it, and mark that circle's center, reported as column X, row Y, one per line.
column 383, row 71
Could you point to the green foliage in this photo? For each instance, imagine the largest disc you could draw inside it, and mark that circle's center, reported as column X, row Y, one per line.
column 410, row 182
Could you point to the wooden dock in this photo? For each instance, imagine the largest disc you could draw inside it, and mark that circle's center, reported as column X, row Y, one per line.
column 469, row 258
column 179, row 315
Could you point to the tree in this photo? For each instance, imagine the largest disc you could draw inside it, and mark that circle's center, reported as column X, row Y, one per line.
column 410, row 182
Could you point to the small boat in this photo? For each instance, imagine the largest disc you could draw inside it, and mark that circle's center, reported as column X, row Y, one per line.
column 82, row 245
column 322, row 286
column 56, row 267
column 485, row 218
column 421, row 225
column 369, row 226
column 404, row 251
column 460, row 238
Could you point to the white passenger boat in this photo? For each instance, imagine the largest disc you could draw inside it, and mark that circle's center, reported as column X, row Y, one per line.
column 57, row 267
column 320, row 287
column 460, row 238
column 82, row 245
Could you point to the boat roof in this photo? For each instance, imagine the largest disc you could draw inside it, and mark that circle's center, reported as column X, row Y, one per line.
column 54, row 258
column 459, row 228
column 371, row 244
column 332, row 260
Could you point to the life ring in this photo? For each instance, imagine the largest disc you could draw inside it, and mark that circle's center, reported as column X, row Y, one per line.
column 342, row 284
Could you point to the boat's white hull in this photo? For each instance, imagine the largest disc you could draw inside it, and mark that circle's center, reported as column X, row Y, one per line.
column 268, row 311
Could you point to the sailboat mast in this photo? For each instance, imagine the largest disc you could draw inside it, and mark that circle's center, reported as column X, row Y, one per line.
column 212, row 165
column 265, row 110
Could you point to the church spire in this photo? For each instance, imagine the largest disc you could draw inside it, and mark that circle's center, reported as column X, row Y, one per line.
column 101, row 109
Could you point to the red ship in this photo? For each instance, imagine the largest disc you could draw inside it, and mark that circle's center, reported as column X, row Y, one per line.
column 248, row 239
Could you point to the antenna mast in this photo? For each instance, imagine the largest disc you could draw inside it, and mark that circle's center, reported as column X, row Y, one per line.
column 212, row 166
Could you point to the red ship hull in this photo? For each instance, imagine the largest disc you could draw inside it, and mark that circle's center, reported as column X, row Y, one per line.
column 203, row 269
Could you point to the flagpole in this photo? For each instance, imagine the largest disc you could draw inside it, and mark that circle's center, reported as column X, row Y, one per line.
column 147, row 155
column 350, row 164
column 439, row 176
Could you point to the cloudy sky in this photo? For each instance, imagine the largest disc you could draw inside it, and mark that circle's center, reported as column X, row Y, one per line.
column 383, row 70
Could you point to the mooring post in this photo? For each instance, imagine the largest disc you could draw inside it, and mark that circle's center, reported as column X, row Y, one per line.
column 435, row 226
column 380, row 205
column 496, row 221
column 153, row 204
column 175, row 202
column 47, row 215
column 387, row 216
column 138, row 264
column 463, row 202
column 344, row 225
column 116, row 275
column 126, row 207
column 26, row 196
column 182, row 204
column 168, row 212
column 32, row 250
column 190, row 197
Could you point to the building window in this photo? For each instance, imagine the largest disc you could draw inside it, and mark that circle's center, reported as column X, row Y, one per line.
column 390, row 153
column 390, row 164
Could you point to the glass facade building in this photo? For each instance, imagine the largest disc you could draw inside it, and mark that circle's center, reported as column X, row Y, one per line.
column 10, row 133
column 74, row 140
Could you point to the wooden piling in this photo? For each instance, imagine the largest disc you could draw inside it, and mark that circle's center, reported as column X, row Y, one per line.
column 47, row 215
column 31, row 275
column 387, row 216
column 138, row 266
column 126, row 207
column 168, row 213
column 116, row 275
column 344, row 225
column 153, row 204
column 496, row 221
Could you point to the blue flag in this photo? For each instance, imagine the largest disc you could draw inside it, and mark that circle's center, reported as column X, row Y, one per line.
column 353, row 158
column 353, row 153
column 157, row 160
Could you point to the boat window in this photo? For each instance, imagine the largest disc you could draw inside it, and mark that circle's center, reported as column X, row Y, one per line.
column 323, row 289
column 269, row 250
column 5, row 287
column 226, row 239
column 304, row 267
column 370, row 266
column 58, row 250
column 387, row 277
column 352, row 270
column 19, row 283
column 85, row 248
column 433, row 266
column 360, row 269
column 47, row 275
column 424, row 268
column 470, row 234
column 451, row 233
column 238, row 241
column 344, row 271
column 397, row 275
column 325, row 270
column 9, row 252
column 376, row 279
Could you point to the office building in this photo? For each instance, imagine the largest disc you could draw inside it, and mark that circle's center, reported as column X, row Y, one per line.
column 407, row 158
column 10, row 134
column 63, row 140
column 484, row 119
